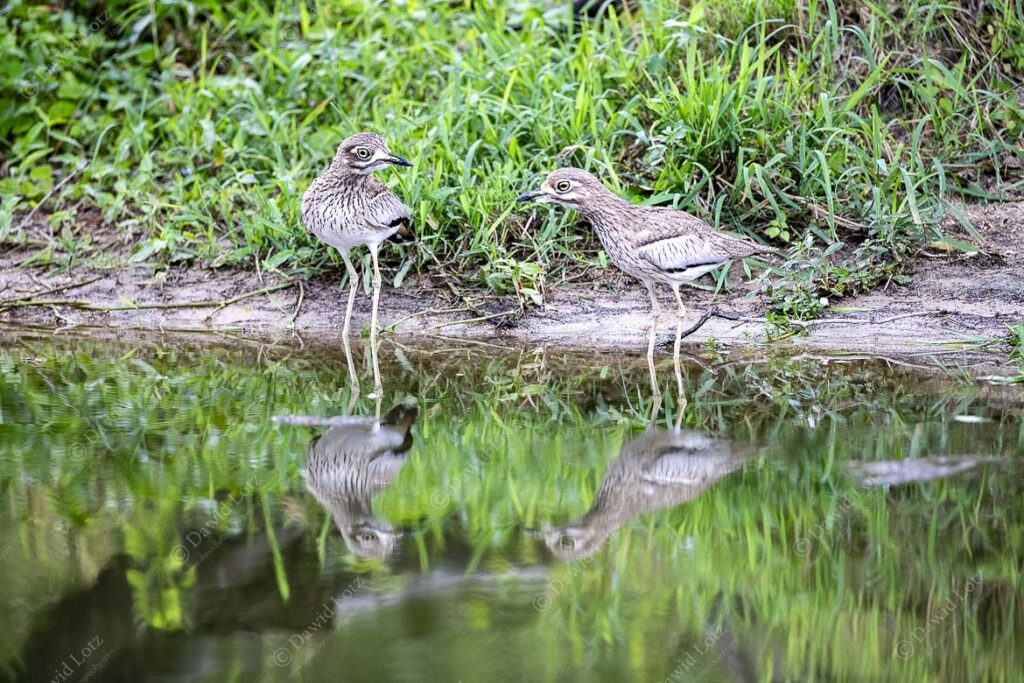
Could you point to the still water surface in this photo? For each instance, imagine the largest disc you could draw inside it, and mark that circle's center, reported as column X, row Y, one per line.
column 165, row 516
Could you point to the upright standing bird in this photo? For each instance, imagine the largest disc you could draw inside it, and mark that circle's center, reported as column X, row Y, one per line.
column 656, row 470
column 650, row 243
column 347, row 207
column 349, row 465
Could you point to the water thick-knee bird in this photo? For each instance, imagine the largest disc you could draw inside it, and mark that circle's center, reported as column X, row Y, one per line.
column 656, row 470
column 650, row 243
column 347, row 207
column 353, row 462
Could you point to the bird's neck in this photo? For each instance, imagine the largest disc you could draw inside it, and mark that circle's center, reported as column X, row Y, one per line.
column 610, row 509
column 605, row 213
column 346, row 176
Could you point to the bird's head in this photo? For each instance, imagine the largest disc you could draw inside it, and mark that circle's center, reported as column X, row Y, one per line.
column 571, row 541
column 364, row 153
column 371, row 539
column 572, row 187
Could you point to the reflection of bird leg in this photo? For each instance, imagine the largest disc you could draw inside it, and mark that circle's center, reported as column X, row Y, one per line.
column 353, row 397
column 680, row 314
column 378, row 390
column 655, row 409
column 353, row 376
column 655, row 314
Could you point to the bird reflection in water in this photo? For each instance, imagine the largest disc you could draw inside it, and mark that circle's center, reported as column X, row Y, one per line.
column 656, row 470
column 352, row 462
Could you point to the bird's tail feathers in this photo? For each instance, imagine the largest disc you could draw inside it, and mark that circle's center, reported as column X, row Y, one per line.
column 402, row 417
column 404, row 233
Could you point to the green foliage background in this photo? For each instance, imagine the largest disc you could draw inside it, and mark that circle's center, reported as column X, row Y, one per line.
column 194, row 127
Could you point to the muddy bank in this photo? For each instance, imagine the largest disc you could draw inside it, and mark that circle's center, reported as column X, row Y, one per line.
column 951, row 299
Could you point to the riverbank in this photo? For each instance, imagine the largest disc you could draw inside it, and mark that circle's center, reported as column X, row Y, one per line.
column 951, row 300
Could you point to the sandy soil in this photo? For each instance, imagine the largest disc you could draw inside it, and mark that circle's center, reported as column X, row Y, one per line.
column 951, row 298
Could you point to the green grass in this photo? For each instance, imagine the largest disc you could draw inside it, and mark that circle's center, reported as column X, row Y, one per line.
column 193, row 128
column 111, row 454
column 1015, row 339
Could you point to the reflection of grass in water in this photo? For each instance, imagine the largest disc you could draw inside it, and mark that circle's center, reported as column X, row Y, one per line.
column 785, row 555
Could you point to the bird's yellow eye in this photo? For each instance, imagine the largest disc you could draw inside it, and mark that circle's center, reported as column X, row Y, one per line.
column 367, row 537
column 562, row 186
column 567, row 542
column 362, row 153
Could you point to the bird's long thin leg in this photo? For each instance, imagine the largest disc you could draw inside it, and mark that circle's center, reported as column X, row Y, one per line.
column 655, row 409
column 378, row 387
column 655, row 314
column 353, row 283
column 374, row 326
column 680, row 314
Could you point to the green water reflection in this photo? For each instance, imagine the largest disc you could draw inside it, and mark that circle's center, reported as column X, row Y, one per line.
column 514, row 520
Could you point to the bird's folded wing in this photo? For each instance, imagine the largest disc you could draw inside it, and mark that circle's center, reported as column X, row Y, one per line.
column 686, row 469
column 682, row 253
column 386, row 211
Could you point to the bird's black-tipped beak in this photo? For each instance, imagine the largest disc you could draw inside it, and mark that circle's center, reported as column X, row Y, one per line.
column 533, row 533
column 398, row 161
column 527, row 196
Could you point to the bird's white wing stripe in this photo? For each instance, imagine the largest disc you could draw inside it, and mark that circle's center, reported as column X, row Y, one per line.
column 681, row 253
column 686, row 469
column 386, row 211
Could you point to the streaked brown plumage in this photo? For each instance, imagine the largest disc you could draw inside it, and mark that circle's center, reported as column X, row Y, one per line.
column 656, row 470
column 650, row 243
column 350, row 464
column 347, row 207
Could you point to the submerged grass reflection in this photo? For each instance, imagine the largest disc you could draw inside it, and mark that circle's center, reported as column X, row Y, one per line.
column 159, row 470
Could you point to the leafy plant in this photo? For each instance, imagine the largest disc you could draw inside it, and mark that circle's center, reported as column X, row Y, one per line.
column 193, row 128
column 1016, row 341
